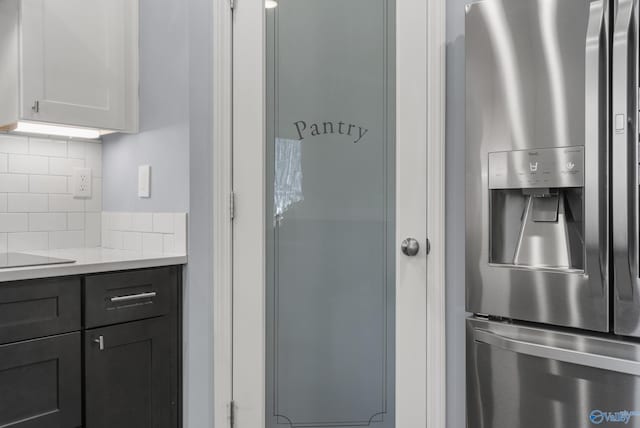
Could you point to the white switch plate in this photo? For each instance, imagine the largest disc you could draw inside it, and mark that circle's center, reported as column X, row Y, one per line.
column 144, row 181
column 81, row 182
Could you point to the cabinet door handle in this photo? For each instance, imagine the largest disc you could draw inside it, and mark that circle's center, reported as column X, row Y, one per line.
column 133, row 297
column 100, row 341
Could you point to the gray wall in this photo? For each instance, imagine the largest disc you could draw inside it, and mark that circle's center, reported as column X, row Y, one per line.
column 175, row 132
column 163, row 141
column 199, row 292
column 455, row 177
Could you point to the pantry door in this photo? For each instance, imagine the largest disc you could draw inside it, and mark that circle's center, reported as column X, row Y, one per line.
column 330, row 245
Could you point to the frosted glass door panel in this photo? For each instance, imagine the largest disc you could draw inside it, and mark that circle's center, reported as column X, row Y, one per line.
column 330, row 243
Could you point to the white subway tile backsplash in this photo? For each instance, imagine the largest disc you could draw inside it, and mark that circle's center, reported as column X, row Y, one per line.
column 152, row 243
column 94, row 203
column 28, row 164
column 43, row 147
column 180, row 233
column 75, row 221
column 92, row 229
column 14, row 144
column 14, row 183
column 62, row 166
column 163, row 222
column 142, row 222
column 121, row 221
column 13, row 222
column 47, row 184
column 169, row 243
column 65, row 203
column 44, row 222
column 25, row 241
column 147, row 232
column 76, row 149
column 116, row 239
column 37, row 210
column 27, row 203
column 105, row 237
column 132, row 241
column 66, row 239
column 93, row 158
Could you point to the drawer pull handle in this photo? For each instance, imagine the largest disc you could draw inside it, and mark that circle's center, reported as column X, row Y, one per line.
column 133, row 297
column 100, row 342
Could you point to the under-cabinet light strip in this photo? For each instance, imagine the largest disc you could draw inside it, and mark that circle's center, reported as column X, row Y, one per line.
column 57, row 130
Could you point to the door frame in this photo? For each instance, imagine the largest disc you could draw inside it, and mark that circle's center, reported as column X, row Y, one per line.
column 433, row 86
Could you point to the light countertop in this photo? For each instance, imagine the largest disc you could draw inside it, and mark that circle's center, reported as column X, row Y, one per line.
column 90, row 260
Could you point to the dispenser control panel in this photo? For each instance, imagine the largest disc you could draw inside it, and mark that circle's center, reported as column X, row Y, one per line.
column 539, row 168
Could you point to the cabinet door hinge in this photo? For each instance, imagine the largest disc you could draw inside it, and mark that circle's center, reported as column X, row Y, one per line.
column 232, row 414
column 232, row 205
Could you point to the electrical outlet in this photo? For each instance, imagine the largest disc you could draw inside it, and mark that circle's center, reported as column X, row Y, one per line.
column 81, row 182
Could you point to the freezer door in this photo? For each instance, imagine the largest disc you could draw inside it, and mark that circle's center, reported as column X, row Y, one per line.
column 530, row 378
column 537, row 76
column 625, row 171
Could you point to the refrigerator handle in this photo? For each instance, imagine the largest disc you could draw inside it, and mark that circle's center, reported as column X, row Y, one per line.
column 624, row 157
column 564, row 355
column 595, row 190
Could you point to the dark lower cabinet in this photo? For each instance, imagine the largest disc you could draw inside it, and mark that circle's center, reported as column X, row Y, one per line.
column 41, row 383
column 99, row 351
column 129, row 372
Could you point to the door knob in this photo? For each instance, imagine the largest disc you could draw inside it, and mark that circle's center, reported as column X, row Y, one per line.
column 410, row 247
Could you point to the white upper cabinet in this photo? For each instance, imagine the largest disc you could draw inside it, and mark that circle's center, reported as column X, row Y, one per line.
column 70, row 62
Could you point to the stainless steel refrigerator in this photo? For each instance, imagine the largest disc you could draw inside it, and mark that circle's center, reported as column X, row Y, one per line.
column 552, row 210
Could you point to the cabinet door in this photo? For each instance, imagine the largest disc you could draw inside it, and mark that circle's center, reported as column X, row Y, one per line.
column 41, row 384
column 75, row 61
column 129, row 372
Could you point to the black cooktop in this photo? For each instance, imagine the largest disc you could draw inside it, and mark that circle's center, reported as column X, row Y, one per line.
column 15, row 260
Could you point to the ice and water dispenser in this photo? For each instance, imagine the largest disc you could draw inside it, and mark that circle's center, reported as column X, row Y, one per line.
column 537, row 208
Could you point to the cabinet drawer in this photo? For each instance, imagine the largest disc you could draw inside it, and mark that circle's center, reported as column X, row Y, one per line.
column 128, row 296
column 30, row 309
column 41, row 383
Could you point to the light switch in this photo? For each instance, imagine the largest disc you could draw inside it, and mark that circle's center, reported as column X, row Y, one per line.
column 144, row 181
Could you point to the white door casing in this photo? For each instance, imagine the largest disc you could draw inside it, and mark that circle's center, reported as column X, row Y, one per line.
column 239, row 325
column 411, row 213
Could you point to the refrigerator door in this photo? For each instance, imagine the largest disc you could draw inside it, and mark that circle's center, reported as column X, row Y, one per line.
column 527, row 377
column 625, row 172
column 537, row 161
